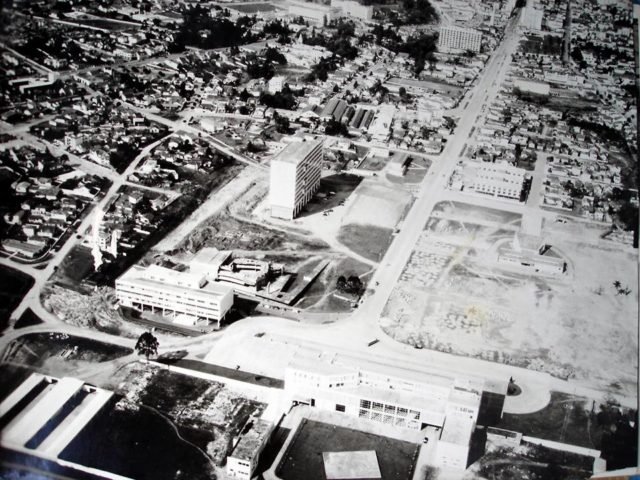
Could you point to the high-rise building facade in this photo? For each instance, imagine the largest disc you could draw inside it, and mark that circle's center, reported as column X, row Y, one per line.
column 454, row 38
column 295, row 177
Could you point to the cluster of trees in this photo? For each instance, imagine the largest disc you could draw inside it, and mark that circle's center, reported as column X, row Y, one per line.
column 264, row 67
column 418, row 11
column 200, row 30
column 279, row 29
column 352, row 285
column 320, row 71
column 420, row 47
column 284, row 100
column 340, row 43
column 606, row 133
column 334, row 127
column 282, row 123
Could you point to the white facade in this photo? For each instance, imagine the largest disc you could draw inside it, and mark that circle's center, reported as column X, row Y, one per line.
column 351, row 8
column 276, row 84
column 531, row 18
column 396, row 397
column 527, row 86
column 294, row 178
column 177, row 293
column 313, row 12
column 499, row 180
column 454, row 38
column 244, row 457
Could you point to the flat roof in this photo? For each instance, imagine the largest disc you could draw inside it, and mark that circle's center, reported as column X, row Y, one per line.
column 457, row 430
column 252, row 439
column 329, row 363
column 173, row 281
column 295, row 152
column 351, row 465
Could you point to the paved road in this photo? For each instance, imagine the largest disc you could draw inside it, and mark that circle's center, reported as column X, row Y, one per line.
column 32, row 298
column 434, row 185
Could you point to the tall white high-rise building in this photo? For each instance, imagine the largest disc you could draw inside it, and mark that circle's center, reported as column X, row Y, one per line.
column 295, row 177
column 454, row 38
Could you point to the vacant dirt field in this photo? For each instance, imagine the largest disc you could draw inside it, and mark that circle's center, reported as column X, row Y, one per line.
column 377, row 204
column 453, row 297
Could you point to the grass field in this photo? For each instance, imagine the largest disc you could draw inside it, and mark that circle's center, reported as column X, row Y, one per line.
column 303, row 459
column 76, row 266
column 137, row 443
column 13, row 287
column 204, row 412
column 36, row 349
column 369, row 241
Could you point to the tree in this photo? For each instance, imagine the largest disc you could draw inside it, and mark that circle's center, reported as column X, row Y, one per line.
column 147, row 345
column 282, row 123
column 354, row 285
column 341, row 284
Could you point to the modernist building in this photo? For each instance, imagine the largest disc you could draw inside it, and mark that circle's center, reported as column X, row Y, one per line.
column 295, row 177
column 218, row 265
column 351, row 8
column 276, row 84
column 313, row 12
column 498, row 180
column 397, row 397
column 187, row 295
column 531, row 18
column 454, row 39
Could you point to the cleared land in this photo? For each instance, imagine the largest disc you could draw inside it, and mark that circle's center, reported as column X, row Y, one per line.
column 206, row 414
column 226, row 232
column 377, row 204
column 455, row 297
column 42, row 349
column 303, row 458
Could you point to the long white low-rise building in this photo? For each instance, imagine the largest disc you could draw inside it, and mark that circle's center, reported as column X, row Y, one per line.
column 398, row 397
column 163, row 290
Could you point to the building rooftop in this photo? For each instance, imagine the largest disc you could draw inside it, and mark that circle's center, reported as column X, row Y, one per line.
column 252, row 437
column 173, row 280
column 457, row 430
column 295, row 152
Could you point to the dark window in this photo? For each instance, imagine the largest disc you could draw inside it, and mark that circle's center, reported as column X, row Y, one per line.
column 339, row 408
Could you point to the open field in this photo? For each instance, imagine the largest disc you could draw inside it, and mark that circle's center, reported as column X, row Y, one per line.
column 216, row 201
column 152, row 449
column 304, row 456
column 578, row 421
column 532, row 462
column 13, row 286
column 205, row 413
column 377, row 204
column 93, row 310
column 319, row 296
column 226, row 232
column 369, row 241
column 454, row 296
column 36, row 349
column 74, row 269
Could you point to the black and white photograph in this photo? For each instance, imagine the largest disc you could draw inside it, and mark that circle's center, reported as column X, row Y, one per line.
column 319, row 239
